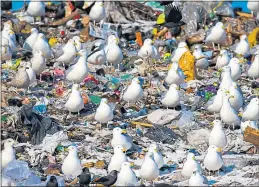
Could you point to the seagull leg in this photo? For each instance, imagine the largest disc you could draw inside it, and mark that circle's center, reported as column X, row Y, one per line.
column 78, row 113
column 219, row 46
column 218, row 172
column 213, row 45
column 64, row 65
column 209, row 172
column 233, row 126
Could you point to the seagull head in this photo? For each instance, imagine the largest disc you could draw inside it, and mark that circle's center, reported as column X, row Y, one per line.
column 41, row 36
column 112, row 39
column 119, row 149
column 104, row 100
column 148, row 42
column 182, row 45
column 223, row 52
column 226, row 69
column 118, row 130
column 216, row 123
column 153, row 148
column 214, row 148
column 243, row 37
column 220, row 25
column 9, row 143
column 190, row 156
column 34, row 30
column 77, row 39
column 255, row 100
column 127, row 165
column 150, row 155
column 135, row 80
column 82, row 53
column 75, row 87
column 174, row 86
column 234, row 61
column 72, row 149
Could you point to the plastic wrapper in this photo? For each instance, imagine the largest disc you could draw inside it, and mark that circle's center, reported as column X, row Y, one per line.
column 186, row 119
column 225, row 10
column 20, row 173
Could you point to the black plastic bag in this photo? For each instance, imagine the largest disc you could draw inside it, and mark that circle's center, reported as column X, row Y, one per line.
column 39, row 126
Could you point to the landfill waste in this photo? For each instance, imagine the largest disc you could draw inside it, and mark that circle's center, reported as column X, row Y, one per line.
column 115, row 75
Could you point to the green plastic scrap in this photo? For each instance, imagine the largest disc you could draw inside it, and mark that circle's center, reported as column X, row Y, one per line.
column 95, row 99
column 4, row 118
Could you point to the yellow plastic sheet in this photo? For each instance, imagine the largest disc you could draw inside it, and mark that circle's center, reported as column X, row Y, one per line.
column 186, row 63
column 160, row 19
column 253, row 36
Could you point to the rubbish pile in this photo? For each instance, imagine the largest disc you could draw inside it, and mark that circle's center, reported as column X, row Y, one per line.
column 129, row 93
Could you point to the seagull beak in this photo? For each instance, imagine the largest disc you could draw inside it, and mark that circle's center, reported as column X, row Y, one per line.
column 124, row 150
column 117, row 40
column 220, row 55
column 240, row 115
column 220, row 70
column 66, row 149
column 155, row 150
column 77, row 54
column 193, row 157
column 211, row 123
column 102, row 4
column 74, row 43
column 11, row 32
column 145, row 150
column 44, row 54
column 219, row 150
column 153, row 41
column 131, row 164
column 232, row 96
column 227, row 92
column 81, row 40
column 124, row 131
column 223, row 27
column 186, row 47
column 177, row 88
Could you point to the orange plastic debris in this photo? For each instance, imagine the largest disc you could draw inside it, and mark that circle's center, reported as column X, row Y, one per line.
column 139, row 39
column 186, row 63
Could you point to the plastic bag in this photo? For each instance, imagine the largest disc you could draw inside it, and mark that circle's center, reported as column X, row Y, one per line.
column 186, row 119
column 225, row 10
column 20, row 172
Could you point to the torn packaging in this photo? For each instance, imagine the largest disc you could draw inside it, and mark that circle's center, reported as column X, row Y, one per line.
column 38, row 125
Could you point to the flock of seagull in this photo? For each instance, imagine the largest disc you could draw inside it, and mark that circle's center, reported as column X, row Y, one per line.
column 228, row 103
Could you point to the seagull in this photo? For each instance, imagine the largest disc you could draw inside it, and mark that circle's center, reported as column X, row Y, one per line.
column 11, row 42
column 227, row 114
column 78, row 43
column 245, row 124
column 104, row 113
column 134, row 92
column 21, row 79
column 127, row 176
column 98, row 57
column 38, row 62
column 253, row 71
column 36, row 9
column 215, row 103
column 108, row 180
column 217, row 135
column 69, row 53
column 235, row 68
column 85, row 177
column 157, row 155
column 75, row 101
column 237, row 100
column 97, row 12
column 223, row 59
column 171, row 97
column 113, row 51
column 253, row 6
column 190, row 165
column 29, row 42
column 149, row 170
column 226, row 78
column 79, row 71
column 42, row 45
column 213, row 160
column 148, row 50
column 6, row 53
column 31, row 73
column 8, row 30
column 72, row 165
column 8, row 153
column 217, row 34
column 117, row 159
column 121, row 138
column 197, row 179
column 201, row 59
column 181, row 49
column 242, row 48
column 175, row 75
column 251, row 111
